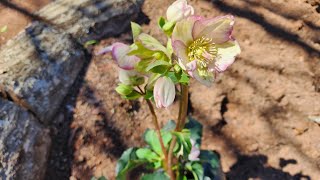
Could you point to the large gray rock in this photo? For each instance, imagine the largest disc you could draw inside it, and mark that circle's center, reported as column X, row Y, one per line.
column 24, row 144
column 38, row 67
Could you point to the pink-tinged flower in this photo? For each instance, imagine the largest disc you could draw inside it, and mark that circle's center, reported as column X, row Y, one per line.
column 164, row 92
column 119, row 53
column 179, row 10
column 195, row 152
column 205, row 47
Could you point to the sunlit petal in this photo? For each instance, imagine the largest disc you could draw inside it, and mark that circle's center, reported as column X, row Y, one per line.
column 227, row 53
column 218, row 29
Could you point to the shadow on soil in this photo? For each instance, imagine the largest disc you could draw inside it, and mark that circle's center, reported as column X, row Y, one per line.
column 254, row 166
column 259, row 19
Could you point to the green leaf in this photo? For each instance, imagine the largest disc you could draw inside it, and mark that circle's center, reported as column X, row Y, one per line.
column 136, row 29
column 151, row 43
column 147, row 154
column 152, row 80
column 195, row 130
column 184, row 139
column 168, row 27
column 90, row 42
column 161, row 22
column 211, row 165
column 136, row 80
column 127, row 162
column 151, row 138
column 124, row 90
column 149, row 94
column 184, row 79
column 157, row 63
column 175, row 77
column 3, row 29
column 169, row 47
column 133, row 95
column 197, row 171
column 142, row 65
column 156, row 176
column 139, row 50
column 160, row 69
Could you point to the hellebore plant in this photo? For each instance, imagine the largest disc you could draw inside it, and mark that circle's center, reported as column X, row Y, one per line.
column 198, row 48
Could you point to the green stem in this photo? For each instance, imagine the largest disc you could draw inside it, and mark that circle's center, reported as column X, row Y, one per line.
column 157, row 126
column 183, row 108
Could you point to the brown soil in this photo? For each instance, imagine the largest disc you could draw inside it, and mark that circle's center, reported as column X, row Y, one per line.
column 16, row 15
column 256, row 116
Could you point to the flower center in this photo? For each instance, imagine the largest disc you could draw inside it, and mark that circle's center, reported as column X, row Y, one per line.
column 204, row 51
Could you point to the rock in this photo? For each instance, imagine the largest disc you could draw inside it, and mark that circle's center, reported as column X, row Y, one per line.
column 88, row 19
column 24, row 144
column 39, row 66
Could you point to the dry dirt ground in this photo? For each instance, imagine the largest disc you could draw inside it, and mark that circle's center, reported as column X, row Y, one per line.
column 256, row 116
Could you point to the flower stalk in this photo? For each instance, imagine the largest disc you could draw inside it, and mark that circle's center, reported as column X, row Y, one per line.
column 157, row 126
column 183, row 109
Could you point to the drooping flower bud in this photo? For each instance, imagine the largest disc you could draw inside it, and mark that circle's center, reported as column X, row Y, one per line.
column 119, row 53
column 164, row 92
column 179, row 10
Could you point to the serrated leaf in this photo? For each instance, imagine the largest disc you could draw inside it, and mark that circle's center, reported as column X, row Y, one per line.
column 3, row 29
column 156, row 176
column 136, row 29
column 124, row 90
column 184, row 79
column 127, row 162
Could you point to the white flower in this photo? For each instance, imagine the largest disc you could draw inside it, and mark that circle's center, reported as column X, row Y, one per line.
column 179, row 10
column 164, row 92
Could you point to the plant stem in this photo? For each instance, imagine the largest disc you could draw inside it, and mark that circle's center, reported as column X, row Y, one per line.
column 156, row 123
column 183, row 108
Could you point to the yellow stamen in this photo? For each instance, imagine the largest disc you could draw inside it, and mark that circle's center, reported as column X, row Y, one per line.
column 204, row 51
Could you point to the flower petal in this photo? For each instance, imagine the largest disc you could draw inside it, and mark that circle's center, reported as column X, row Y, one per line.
column 226, row 55
column 218, row 29
column 105, row 50
column 191, row 66
column 119, row 53
column 164, row 92
column 179, row 10
column 207, row 81
column 181, row 51
column 183, row 30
